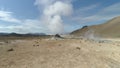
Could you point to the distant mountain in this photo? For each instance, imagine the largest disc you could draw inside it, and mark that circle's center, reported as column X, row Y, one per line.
column 109, row 29
column 4, row 33
column 17, row 34
column 37, row 33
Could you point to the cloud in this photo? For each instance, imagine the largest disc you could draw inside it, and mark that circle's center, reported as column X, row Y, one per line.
column 104, row 14
column 110, row 11
column 20, row 26
column 8, row 17
column 87, row 8
column 44, row 2
column 27, row 26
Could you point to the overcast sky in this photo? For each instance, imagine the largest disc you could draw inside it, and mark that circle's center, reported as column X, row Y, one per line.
column 54, row 16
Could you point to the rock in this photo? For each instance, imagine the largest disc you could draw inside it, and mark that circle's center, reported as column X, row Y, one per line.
column 10, row 49
column 78, row 48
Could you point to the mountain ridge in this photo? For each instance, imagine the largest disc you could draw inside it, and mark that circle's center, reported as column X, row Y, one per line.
column 110, row 28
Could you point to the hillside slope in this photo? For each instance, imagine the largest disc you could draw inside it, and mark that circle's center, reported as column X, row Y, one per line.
column 108, row 29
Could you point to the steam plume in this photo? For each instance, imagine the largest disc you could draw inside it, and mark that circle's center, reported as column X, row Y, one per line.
column 53, row 11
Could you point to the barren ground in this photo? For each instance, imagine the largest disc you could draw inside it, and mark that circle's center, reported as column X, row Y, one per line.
column 67, row 53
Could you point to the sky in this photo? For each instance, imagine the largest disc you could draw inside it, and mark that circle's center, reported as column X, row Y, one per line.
column 54, row 16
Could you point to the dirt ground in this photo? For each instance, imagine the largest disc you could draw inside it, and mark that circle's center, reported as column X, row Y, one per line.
column 66, row 53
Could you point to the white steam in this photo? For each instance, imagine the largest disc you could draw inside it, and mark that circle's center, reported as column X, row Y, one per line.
column 58, row 8
column 53, row 11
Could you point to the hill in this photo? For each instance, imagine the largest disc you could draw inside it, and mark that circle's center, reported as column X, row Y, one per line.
column 109, row 29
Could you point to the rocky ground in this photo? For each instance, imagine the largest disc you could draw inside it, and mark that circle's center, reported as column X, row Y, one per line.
column 63, row 53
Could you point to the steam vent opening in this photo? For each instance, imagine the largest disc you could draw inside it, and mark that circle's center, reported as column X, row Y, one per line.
column 58, row 36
